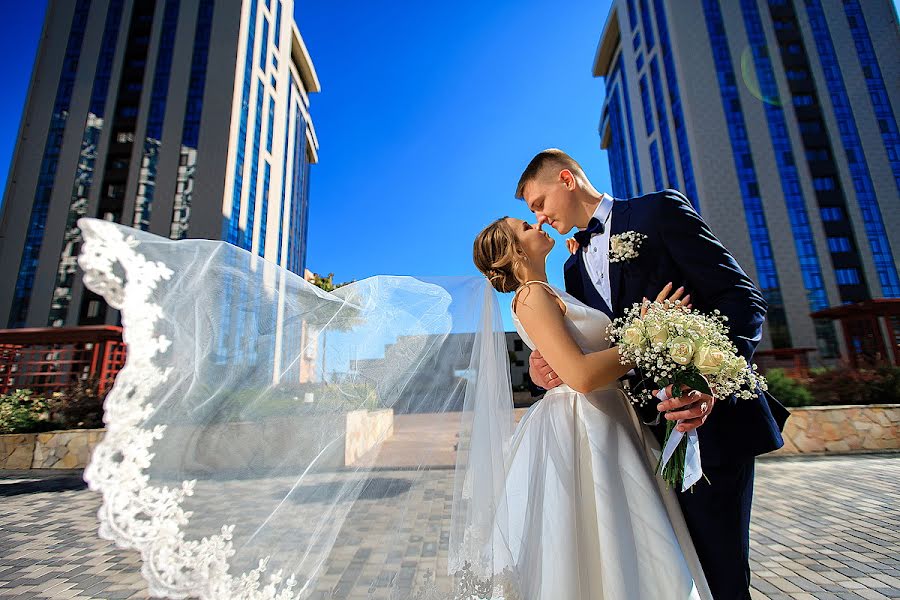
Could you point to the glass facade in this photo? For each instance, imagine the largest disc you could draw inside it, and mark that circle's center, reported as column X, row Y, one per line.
column 190, row 129
column 649, row 41
column 654, row 162
column 67, row 268
column 645, row 103
column 826, row 184
column 632, row 14
column 122, row 131
column 277, row 39
column 264, row 46
column 38, row 219
column 270, row 129
column 231, row 225
column 156, row 117
column 619, row 71
column 284, row 174
column 246, row 241
column 296, row 259
column 264, row 211
column 684, row 151
column 743, row 162
column 618, row 159
column 783, row 153
column 859, row 169
column 663, row 120
column 881, row 102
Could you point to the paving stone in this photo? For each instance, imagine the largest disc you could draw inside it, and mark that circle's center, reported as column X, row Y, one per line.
column 822, row 527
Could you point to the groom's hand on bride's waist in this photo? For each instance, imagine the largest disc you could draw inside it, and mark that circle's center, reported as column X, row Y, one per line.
column 541, row 373
column 692, row 408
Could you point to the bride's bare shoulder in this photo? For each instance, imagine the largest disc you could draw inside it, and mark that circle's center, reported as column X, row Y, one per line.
column 537, row 297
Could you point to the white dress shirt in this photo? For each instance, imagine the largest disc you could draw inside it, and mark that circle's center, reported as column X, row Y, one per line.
column 596, row 256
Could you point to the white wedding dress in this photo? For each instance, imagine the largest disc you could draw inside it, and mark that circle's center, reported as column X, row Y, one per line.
column 250, row 435
column 587, row 517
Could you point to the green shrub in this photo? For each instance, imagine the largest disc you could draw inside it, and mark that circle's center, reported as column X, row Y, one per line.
column 78, row 406
column 23, row 412
column 848, row 385
column 789, row 392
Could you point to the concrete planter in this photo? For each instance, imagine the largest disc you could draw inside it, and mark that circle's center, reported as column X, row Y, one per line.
column 238, row 443
column 838, row 429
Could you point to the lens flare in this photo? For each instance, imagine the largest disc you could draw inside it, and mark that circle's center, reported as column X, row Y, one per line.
column 748, row 74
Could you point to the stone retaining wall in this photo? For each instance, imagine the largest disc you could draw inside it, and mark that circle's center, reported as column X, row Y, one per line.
column 810, row 430
column 817, row 429
column 71, row 449
column 365, row 429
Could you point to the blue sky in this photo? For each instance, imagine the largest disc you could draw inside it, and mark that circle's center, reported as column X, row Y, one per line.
column 427, row 115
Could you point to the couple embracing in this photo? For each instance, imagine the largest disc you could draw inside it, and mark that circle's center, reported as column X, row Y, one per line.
column 588, row 517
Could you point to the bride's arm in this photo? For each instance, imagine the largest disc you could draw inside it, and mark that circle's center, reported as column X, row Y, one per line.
column 541, row 315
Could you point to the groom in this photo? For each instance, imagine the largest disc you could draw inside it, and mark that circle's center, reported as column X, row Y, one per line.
column 679, row 248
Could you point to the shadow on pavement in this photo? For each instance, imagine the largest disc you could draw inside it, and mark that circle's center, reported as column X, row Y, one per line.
column 56, row 484
column 375, row 489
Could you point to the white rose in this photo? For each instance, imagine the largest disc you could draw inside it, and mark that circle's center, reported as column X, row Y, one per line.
column 658, row 333
column 633, row 336
column 709, row 360
column 682, row 350
column 615, row 244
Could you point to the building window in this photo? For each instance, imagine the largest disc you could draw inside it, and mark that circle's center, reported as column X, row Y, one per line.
column 654, row 162
column 747, row 176
column 271, row 125
column 635, row 163
column 684, row 150
column 664, row 136
column 618, row 157
column 803, row 100
column 847, row 276
column 824, row 184
column 818, row 154
column 832, row 214
column 810, row 127
column 277, row 24
column 645, row 101
column 646, row 25
column 231, row 230
column 264, row 46
column 839, row 244
column 632, row 14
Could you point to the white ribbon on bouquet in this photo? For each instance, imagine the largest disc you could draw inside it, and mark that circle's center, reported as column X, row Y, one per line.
column 692, row 469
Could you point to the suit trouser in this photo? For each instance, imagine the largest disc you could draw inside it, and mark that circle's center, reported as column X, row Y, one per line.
column 718, row 517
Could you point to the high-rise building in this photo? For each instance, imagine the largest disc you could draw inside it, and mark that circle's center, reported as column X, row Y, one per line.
column 776, row 119
column 185, row 118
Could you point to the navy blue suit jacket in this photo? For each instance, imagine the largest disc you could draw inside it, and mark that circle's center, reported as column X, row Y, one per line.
column 681, row 248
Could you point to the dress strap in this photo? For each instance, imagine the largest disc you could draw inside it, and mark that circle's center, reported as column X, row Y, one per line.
column 545, row 284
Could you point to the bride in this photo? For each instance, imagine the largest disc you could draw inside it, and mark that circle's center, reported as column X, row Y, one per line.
column 585, row 516
column 268, row 440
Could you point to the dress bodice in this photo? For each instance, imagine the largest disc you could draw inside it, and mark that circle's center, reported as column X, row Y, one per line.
column 587, row 325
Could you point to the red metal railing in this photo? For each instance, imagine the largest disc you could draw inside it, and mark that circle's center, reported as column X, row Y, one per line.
column 49, row 359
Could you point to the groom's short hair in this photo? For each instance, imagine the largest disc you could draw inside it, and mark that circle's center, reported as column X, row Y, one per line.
column 551, row 157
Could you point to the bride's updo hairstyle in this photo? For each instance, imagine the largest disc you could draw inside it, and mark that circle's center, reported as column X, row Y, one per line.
column 498, row 256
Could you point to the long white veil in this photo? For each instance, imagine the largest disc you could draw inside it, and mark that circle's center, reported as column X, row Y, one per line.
column 267, row 439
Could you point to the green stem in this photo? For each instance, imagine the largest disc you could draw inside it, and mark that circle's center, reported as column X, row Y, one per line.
column 673, row 472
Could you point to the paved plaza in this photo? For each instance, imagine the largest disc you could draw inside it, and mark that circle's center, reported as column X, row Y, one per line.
column 823, row 528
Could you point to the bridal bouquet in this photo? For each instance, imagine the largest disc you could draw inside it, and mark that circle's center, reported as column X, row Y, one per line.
column 675, row 345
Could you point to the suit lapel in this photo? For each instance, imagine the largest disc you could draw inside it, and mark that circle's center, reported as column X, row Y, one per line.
column 572, row 275
column 620, row 217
